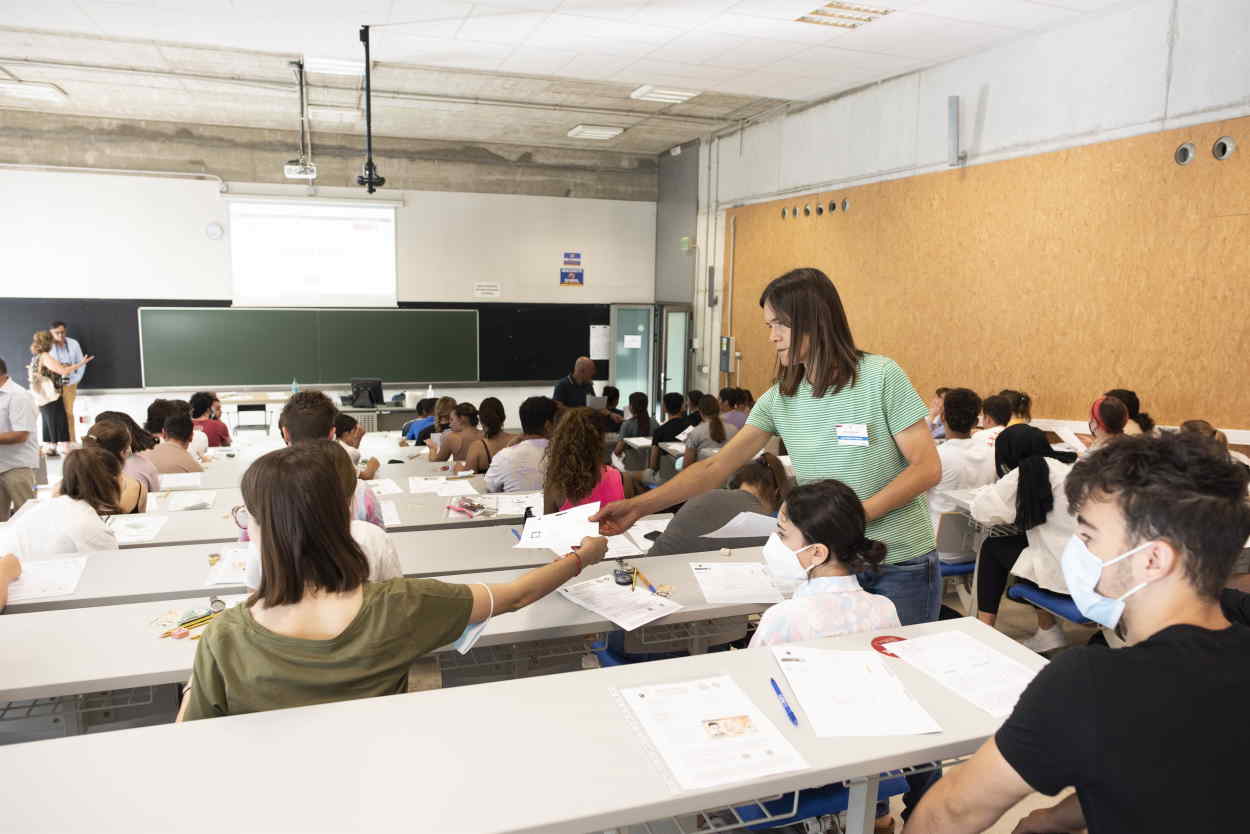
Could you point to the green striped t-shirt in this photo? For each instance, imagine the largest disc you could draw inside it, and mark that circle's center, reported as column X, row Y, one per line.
column 884, row 399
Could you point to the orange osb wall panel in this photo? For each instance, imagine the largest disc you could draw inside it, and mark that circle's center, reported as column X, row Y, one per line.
column 1062, row 274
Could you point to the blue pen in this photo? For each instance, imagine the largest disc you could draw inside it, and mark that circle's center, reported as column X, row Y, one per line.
column 516, row 533
column 789, row 712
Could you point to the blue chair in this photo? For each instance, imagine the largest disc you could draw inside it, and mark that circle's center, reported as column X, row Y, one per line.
column 962, row 569
column 1061, row 605
column 816, row 802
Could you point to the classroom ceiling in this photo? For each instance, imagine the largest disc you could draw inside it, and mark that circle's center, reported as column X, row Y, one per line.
column 521, row 71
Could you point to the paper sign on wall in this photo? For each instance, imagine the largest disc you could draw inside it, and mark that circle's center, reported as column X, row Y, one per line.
column 633, row 342
column 487, row 289
column 600, row 341
column 571, row 273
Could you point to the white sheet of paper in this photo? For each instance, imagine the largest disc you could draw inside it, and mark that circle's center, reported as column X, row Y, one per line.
column 643, row 526
column 515, row 503
column 191, row 500
column 135, row 529
column 622, row 547
column 181, row 480
column 709, row 732
column 1068, row 436
column 627, row 606
column 638, row 442
column 851, row 694
column 231, row 568
column 969, row 668
column 632, row 341
column 600, row 342
column 418, row 485
column 560, row 531
column 745, row 526
column 463, row 473
column 390, row 514
column 47, row 578
column 681, row 438
column 451, row 489
column 384, row 486
column 735, row 582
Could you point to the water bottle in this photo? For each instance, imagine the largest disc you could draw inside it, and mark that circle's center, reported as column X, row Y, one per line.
column 294, row 386
column 429, row 391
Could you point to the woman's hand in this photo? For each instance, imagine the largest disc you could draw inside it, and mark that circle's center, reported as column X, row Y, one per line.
column 592, row 550
column 617, row 517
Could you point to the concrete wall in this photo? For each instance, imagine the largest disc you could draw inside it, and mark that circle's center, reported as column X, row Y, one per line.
column 677, row 210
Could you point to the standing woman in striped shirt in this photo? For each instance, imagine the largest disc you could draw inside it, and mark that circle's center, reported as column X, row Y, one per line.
column 843, row 414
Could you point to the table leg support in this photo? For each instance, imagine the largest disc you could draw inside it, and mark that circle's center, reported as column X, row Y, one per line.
column 861, row 810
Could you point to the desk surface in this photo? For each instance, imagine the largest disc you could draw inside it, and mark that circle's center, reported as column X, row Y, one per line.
column 550, row 753
column 77, row 650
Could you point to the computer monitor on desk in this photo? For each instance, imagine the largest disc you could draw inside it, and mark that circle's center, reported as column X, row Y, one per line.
column 366, row 392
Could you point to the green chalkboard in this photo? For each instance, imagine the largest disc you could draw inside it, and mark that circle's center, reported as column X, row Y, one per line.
column 218, row 347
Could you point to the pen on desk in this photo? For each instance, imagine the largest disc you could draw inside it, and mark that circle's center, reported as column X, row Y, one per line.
column 789, row 712
column 460, row 510
column 516, row 533
column 645, row 580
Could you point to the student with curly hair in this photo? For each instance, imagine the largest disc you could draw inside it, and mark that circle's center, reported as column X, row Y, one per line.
column 576, row 473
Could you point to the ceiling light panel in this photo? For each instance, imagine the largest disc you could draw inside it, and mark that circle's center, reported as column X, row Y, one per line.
column 844, row 15
column 668, row 95
column 599, row 132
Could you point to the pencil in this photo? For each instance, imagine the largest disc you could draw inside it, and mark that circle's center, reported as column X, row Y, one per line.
column 645, row 580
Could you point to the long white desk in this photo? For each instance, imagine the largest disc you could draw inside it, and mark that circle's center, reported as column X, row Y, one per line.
column 551, row 754
column 52, row 653
column 120, row 577
column 226, row 469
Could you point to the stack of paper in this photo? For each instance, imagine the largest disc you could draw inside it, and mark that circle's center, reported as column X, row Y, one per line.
column 969, row 668
column 390, row 514
column 561, row 531
column 47, row 578
column 384, row 486
column 851, row 694
column 709, row 732
column 231, row 568
column 746, row 526
column 136, row 529
column 191, row 500
column 515, row 503
column 181, row 480
column 627, row 606
column 735, row 582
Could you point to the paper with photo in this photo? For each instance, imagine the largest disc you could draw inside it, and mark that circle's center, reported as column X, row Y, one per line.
column 709, row 732
column 231, row 568
column 851, row 694
column 191, row 500
column 47, row 578
column 969, row 668
column 390, row 514
column 745, row 526
column 515, row 503
column 136, row 529
column 561, row 531
column 181, row 480
column 625, row 605
column 384, row 486
column 735, row 582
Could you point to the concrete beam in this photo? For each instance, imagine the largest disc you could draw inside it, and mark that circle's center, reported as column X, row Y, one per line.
column 238, row 154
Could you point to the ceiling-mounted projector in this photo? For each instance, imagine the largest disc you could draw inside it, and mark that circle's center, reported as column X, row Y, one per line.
column 297, row 169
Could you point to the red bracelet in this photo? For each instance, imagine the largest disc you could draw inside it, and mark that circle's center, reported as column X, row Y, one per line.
column 580, row 566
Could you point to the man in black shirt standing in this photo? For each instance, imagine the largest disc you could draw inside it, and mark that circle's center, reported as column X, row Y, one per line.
column 577, row 386
column 1151, row 735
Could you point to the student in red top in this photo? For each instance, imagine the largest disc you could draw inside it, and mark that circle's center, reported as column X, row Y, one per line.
column 206, row 415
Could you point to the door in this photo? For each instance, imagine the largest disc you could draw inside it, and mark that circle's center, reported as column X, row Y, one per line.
column 633, row 340
column 675, row 360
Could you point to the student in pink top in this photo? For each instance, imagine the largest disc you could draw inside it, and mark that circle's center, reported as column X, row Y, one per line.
column 576, row 473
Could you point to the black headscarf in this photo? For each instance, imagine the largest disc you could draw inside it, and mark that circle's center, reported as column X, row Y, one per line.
column 1026, row 448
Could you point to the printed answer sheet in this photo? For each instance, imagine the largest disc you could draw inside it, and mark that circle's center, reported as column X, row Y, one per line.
column 384, row 486
column 390, row 514
column 136, row 529
column 745, row 526
column 737, row 582
column 627, row 606
column 709, row 732
column 560, row 532
column 969, row 668
column 851, row 694
column 190, row 500
column 47, row 578
column 231, row 568
column 515, row 503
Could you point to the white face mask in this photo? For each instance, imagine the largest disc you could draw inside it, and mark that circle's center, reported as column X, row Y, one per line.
column 1082, row 570
column 783, row 563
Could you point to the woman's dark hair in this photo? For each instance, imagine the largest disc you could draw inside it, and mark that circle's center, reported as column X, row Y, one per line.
column 767, row 474
column 111, row 436
column 91, row 474
column 466, row 412
column 425, row 406
column 710, row 409
column 1205, row 429
column 1026, row 448
column 997, row 408
column 491, row 413
column 612, row 394
column 574, row 456
column 830, row 513
column 960, row 409
column 298, row 500
column 536, row 413
column 1180, row 487
column 140, row 439
column 807, row 302
column 1110, row 414
column 638, row 403
column 1143, row 420
column 201, row 402
column 343, row 424
column 1020, row 402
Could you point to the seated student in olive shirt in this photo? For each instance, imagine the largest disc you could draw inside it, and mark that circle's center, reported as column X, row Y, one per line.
column 317, row 630
column 1151, row 735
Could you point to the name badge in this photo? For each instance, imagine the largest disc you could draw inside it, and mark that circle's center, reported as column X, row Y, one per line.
column 852, row 434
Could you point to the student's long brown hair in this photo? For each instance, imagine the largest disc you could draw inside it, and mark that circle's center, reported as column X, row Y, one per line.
column 574, row 456
column 710, row 409
column 111, row 436
column 299, row 501
column 807, row 302
column 767, row 474
column 91, row 475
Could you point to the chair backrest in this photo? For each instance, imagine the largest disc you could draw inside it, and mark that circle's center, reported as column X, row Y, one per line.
column 955, row 533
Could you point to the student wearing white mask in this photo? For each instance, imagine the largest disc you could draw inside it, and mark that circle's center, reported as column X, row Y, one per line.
column 1160, row 522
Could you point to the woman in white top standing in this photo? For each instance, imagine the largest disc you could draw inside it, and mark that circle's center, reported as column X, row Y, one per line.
column 1029, row 495
column 71, row 522
column 707, row 438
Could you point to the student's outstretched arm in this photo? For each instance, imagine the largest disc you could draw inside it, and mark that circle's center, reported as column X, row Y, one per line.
column 533, row 586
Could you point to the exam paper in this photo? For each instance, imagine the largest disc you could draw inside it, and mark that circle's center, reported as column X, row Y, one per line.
column 625, row 605
column 47, row 578
column 181, row 480
column 135, row 529
column 231, row 568
column 681, row 438
column 969, row 668
column 1068, row 436
column 560, row 531
column 451, row 489
column 638, row 442
column 643, row 526
column 851, row 694
column 737, row 582
column 709, row 732
column 621, row 547
column 190, row 500
column 515, row 503
column 746, row 526
column 390, row 514
column 384, row 486
column 419, row 485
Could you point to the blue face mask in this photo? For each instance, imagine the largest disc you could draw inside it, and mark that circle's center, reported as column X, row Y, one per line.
column 472, row 632
column 1082, row 570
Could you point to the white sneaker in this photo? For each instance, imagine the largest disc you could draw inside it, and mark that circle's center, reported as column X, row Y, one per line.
column 1046, row 640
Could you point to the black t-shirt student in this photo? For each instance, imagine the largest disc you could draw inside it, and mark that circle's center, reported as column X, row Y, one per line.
column 667, row 432
column 1236, row 605
column 1153, row 736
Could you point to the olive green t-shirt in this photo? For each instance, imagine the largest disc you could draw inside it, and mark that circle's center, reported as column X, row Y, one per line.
column 242, row 667
column 883, row 400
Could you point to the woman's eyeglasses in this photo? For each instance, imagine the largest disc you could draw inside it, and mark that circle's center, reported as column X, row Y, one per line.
column 241, row 516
